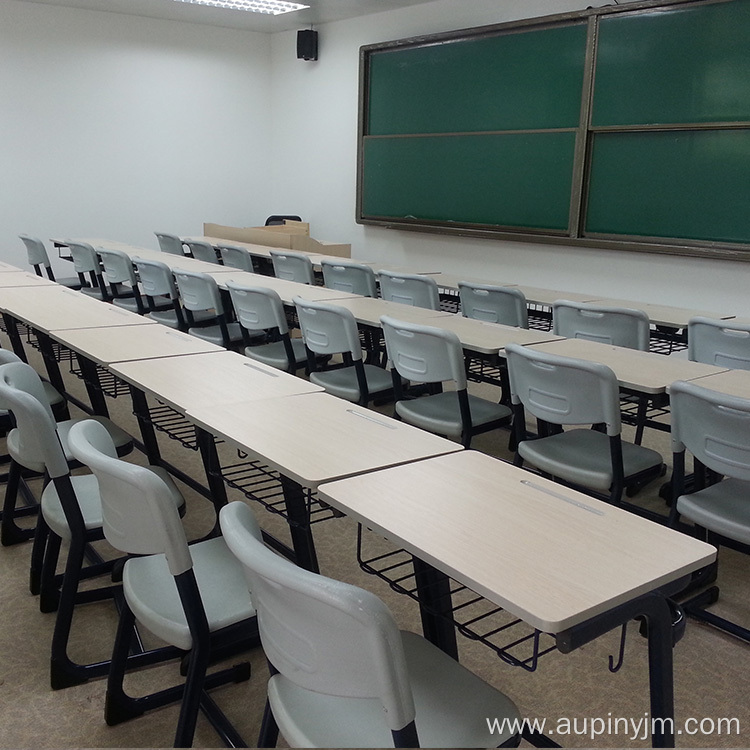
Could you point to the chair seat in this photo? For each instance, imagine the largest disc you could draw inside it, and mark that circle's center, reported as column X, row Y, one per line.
column 342, row 382
column 722, row 507
column 86, row 488
column 127, row 303
column 583, row 457
column 440, row 413
column 152, row 596
column 72, row 282
column 213, row 334
column 121, row 439
column 274, row 354
column 452, row 707
column 54, row 397
column 93, row 291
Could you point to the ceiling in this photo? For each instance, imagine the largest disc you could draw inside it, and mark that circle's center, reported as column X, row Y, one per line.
column 320, row 11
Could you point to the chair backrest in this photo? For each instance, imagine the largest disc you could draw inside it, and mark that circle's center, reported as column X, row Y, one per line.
column 292, row 266
column 198, row 291
column 355, row 278
column 279, row 219
column 22, row 393
column 118, row 268
column 202, row 251
column 618, row 326
column 713, row 426
column 409, row 289
column 169, row 243
column 237, row 257
column 424, row 354
column 563, row 390
column 494, row 304
column 328, row 329
column 85, row 259
column 324, row 635
column 35, row 251
column 258, row 308
column 719, row 342
column 138, row 513
column 156, row 278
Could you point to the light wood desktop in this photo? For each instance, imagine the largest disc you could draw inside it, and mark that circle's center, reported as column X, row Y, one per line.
column 317, row 437
column 197, row 380
column 368, row 311
column 54, row 307
column 286, row 289
column 309, row 439
column 730, row 382
column 8, row 268
column 677, row 317
column 127, row 343
column 644, row 372
column 10, row 279
column 561, row 561
column 489, row 338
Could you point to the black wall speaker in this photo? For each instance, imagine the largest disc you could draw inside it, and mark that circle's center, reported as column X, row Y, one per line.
column 307, row 44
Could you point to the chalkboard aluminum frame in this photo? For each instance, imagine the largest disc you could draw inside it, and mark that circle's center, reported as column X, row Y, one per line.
column 586, row 134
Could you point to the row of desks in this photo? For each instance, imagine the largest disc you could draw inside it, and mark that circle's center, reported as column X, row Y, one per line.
column 465, row 515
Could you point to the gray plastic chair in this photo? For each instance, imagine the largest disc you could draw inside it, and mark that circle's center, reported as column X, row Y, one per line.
column 201, row 250
column 617, row 326
column 70, row 512
column 261, row 314
column 409, row 289
column 38, row 259
column 24, row 449
column 346, row 276
column 234, row 256
column 561, row 391
column 292, row 266
column 160, row 291
column 191, row 597
column 200, row 294
column 86, row 263
column 329, row 330
column 425, row 354
column 342, row 674
column 170, row 243
column 120, row 275
column 723, row 343
column 493, row 304
column 714, row 428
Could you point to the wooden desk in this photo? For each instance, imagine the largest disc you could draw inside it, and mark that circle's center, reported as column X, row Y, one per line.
column 284, row 288
column 483, row 523
column 10, row 278
column 53, row 307
column 314, row 438
column 8, row 268
column 489, row 338
column 127, row 343
column 677, row 317
column 203, row 380
column 450, row 281
column 539, row 296
column 368, row 311
column 644, row 372
column 731, row 382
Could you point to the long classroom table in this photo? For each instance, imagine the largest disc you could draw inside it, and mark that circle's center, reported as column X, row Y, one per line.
column 562, row 562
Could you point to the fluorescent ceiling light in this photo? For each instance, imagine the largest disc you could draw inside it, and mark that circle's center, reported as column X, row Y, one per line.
column 272, row 7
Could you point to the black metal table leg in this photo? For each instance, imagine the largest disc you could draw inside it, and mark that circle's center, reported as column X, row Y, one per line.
column 16, row 343
column 433, row 588
column 298, row 517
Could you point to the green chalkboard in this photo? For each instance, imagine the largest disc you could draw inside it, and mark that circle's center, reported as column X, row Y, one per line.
column 522, row 80
column 692, row 184
column 681, row 65
column 617, row 124
column 465, row 179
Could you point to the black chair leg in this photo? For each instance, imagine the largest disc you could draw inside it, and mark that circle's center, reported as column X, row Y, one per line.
column 269, row 729
column 49, row 595
column 10, row 532
column 39, row 552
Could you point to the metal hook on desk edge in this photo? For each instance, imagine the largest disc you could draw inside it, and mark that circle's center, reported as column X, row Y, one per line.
column 620, row 657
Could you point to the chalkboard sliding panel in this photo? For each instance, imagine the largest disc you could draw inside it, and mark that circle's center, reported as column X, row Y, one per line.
column 501, row 179
column 679, row 64
column 677, row 185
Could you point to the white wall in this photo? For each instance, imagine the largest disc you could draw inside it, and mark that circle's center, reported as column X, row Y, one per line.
column 314, row 174
column 116, row 126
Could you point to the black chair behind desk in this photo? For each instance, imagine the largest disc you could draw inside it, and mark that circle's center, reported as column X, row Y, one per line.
column 275, row 220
